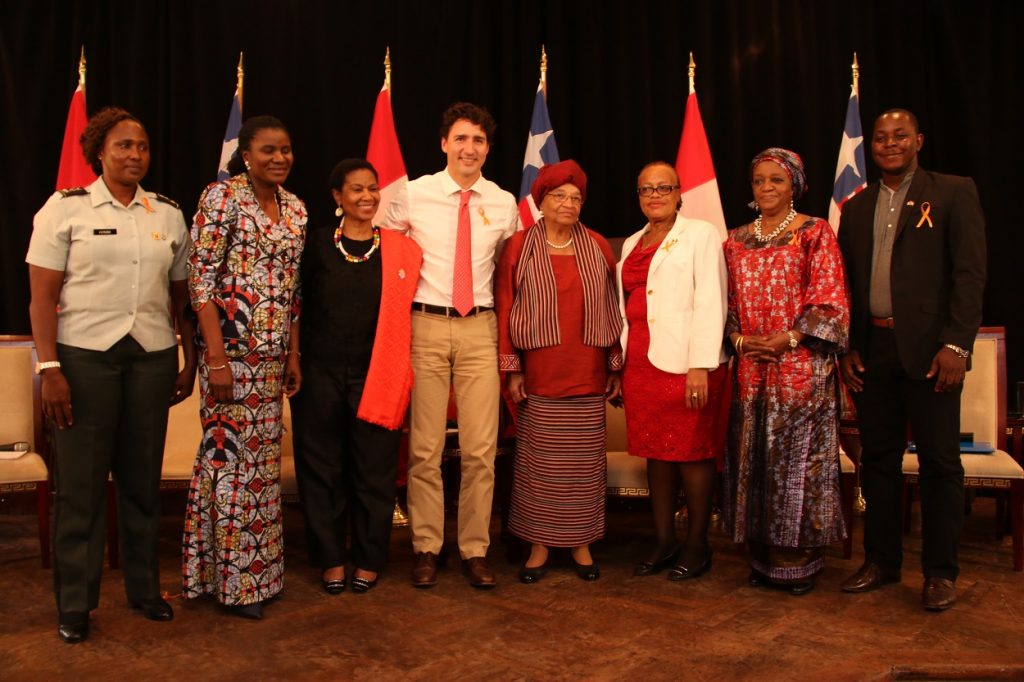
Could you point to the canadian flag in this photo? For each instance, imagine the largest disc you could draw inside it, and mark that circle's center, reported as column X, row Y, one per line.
column 73, row 170
column 697, row 180
column 385, row 154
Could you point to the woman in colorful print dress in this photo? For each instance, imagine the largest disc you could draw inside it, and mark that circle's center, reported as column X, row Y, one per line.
column 788, row 317
column 247, row 235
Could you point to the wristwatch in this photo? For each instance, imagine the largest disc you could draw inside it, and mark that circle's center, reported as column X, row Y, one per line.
column 793, row 343
column 960, row 352
column 52, row 364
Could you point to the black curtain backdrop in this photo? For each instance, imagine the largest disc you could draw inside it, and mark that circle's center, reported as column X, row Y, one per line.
column 768, row 73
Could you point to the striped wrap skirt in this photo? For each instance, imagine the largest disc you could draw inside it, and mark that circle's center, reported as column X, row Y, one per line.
column 559, row 486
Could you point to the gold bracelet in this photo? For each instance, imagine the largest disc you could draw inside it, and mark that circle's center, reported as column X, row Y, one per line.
column 294, row 352
column 739, row 345
column 211, row 367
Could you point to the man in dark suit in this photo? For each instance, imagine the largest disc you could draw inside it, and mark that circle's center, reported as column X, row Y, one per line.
column 914, row 246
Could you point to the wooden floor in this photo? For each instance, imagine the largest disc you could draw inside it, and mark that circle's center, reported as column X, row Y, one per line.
column 621, row 627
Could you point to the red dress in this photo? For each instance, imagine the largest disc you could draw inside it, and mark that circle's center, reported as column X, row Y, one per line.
column 659, row 425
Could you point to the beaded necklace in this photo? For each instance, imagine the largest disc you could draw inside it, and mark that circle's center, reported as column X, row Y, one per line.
column 348, row 256
column 777, row 231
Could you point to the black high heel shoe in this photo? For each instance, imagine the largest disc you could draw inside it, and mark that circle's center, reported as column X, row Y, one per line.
column 362, row 585
column 588, row 572
column 530, row 575
column 645, row 568
column 681, row 572
column 247, row 611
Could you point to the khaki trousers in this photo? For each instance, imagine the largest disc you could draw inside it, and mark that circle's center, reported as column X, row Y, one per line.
column 463, row 350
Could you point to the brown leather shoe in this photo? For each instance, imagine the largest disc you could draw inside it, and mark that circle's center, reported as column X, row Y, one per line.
column 870, row 576
column 938, row 594
column 479, row 573
column 424, row 570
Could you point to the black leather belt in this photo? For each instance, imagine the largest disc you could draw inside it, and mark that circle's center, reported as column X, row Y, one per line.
column 882, row 322
column 448, row 312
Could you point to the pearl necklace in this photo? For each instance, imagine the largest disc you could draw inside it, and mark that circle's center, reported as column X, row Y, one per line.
column 559, row 246
column 348, row 256
column 777, row 231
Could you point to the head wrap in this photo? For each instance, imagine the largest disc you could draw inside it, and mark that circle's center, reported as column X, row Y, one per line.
column 557, row 174
column 790, row 162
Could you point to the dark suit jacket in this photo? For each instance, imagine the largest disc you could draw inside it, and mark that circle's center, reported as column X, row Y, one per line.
column 938, row 271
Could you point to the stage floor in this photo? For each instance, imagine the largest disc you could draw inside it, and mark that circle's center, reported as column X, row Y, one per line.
column 620, row 627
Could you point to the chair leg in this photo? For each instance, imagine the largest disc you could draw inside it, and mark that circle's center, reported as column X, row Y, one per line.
column 43, row 512
column 1017, row 523
column 113, row 557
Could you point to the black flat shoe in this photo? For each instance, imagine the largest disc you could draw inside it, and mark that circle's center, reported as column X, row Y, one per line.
column 73, row 628
column 248, row 611
column 528, row 576
column 334, row 586
column 587, row 572
column 154, row 608
column 681, row 572
column 645, row 568
column 758, row 579
column 799, row 588
column 362, row 585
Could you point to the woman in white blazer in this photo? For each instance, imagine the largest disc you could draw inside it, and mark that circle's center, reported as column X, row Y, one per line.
column 672, row 296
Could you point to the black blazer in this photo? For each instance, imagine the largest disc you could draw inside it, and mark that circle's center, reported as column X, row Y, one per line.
column 938, row 271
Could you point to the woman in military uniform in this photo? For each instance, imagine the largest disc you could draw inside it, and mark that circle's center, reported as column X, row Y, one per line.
column 106, row 270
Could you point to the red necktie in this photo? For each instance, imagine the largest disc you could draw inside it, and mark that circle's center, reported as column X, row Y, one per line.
column 462, row 284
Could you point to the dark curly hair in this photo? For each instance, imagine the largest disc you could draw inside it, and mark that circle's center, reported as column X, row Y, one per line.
column 346, row 166
column 476, row 115
column 96, row 131
column 249, row 129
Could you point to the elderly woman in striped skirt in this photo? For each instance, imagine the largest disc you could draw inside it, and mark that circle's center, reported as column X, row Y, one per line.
column 558, row 328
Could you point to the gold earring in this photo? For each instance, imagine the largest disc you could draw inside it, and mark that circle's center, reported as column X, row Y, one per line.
column 248, row 166
column 339, row 211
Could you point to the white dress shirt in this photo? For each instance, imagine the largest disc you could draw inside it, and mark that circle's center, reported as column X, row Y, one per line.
column 118, row 262
column 427, row 210
column 687, row 285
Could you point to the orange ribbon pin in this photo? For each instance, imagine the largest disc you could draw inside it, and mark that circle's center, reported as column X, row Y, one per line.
column 926, row 209
column 483, row 215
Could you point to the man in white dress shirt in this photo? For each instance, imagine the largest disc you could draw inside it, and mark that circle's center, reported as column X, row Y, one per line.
column 460, row 219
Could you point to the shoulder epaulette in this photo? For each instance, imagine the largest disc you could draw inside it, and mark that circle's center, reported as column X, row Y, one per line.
column 166, row 200
column 72, row 192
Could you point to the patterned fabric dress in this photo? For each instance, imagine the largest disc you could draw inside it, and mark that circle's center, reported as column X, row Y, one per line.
column 782, row 455
column 248, row 266
column 659, row 424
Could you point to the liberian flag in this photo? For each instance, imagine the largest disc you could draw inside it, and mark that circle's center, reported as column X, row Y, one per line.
column 851, row 172
column 385, row 154
column 697, row 180
column 73, row 170
column 541, row 150
column 230, row 136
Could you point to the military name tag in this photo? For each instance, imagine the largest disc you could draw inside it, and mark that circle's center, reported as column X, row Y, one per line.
column 102, row 231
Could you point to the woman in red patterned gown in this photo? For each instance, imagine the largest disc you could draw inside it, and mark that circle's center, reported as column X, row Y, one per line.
column 675, row 387
column 788, row 317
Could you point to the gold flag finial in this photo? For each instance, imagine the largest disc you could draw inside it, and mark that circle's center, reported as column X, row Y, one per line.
column 692, row 70
column 856, row 72
column 81, row 69
column 387, row 67
column 544, row 68
column 241, row 76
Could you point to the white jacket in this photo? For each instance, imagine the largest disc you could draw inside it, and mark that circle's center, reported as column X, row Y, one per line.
column 687, row 286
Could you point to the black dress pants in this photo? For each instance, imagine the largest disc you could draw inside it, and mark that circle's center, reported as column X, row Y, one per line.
column 119, row 400
column 890, row 400
column 346, row 468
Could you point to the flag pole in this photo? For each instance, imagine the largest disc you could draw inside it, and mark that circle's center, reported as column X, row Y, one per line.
column 860, row 505
column 241, row 76
column 81, row 70
column 691, row 71
column 544, row 69
column 855, row 68
column 387, row 68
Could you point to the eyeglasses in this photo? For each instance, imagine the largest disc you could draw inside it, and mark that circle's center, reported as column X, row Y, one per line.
column 660, row 190
column 562, row 197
